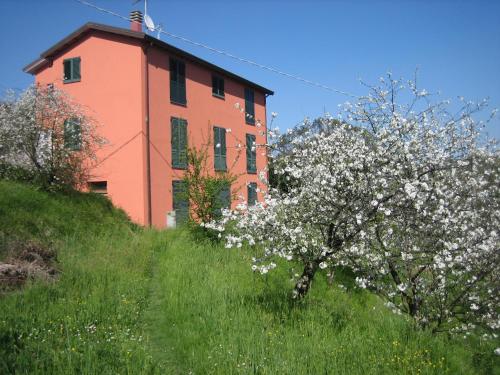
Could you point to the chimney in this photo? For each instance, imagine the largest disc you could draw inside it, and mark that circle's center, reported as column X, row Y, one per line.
column 136, row 20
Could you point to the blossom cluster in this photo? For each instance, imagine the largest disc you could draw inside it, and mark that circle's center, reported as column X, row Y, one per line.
column 405, row 194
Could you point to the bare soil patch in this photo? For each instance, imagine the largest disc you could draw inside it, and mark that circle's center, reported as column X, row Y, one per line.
column 27, row 261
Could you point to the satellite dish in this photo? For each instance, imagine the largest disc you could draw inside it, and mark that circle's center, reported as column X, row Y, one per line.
column 149, row 23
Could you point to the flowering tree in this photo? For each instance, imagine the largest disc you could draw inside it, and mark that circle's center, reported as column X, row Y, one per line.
column 43, row 131
column 397, row 192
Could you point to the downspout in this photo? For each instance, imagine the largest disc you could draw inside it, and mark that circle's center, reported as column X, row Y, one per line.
column 148, row 140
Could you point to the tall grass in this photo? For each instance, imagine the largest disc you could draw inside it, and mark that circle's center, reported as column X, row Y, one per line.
column 89, row 321
column 135, row 301
column 211, row 314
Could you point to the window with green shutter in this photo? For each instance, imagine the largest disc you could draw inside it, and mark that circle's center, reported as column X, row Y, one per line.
column 217, row 86
column 72, row 70
column 223, row 200
column 252, row 193
column 249, row 107
column 220, row 150
column 72, row 134
column 251, row 154
column 180, row 202
column 177, row 82
column 178, row 139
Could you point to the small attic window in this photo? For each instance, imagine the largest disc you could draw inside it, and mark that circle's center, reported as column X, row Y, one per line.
column 72, row 70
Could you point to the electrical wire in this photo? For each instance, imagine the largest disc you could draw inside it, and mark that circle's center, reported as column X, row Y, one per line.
column 227, row 54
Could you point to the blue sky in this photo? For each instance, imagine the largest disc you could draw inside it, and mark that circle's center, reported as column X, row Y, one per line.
column 454, row 44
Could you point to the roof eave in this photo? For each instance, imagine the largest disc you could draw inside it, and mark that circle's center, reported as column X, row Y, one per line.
column 34, row 66
column 45, row 56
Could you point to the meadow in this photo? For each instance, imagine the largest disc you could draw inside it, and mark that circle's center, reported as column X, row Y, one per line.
column 130, row 300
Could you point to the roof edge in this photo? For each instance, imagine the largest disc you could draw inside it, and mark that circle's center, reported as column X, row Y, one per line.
column 44, row 58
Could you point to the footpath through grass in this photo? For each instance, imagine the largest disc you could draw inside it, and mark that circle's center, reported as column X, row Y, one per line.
column 135, row 301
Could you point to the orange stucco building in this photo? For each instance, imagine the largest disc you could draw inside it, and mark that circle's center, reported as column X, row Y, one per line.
column 148, row 97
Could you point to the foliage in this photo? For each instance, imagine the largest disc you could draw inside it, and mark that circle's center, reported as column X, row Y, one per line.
column 399, row 193
column 204, row 188
column 44, row 133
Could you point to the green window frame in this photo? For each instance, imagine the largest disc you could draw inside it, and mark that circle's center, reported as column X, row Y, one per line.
column 252, row 193
column 223, row 200
column 177, row 82
column 72, row 71
column 220, row 149
column 249, row 106
column 73, row 134
column 180, row 202
column 178, row 140
column 218, row 87
column 251, row 149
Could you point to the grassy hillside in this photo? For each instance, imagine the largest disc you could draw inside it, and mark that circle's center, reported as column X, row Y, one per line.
column 136, row 301
column 89, row 320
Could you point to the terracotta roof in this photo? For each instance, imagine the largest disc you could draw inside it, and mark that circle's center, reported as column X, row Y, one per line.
column 45, row 57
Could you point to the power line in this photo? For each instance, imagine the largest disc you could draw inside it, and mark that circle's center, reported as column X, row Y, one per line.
column 227, row 54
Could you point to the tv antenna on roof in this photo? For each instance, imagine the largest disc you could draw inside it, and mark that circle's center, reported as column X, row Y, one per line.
column 148, row 21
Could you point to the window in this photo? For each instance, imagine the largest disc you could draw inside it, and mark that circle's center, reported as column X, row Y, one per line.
column 177, row 82
column 223, row 200
column 180, row 202
column 217, row 86
column 178, row 139
column 251, row 154
column 99, row 187
column 72, row 70
column 249, row 107
column 72, row 134
column 220, row 149
column 252, row 193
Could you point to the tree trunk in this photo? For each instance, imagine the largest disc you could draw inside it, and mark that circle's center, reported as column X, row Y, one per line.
column 305, row 280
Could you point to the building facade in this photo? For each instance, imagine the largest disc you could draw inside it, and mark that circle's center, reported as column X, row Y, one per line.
column 150, row 100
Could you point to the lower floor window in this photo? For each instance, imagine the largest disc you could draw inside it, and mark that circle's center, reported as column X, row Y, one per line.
column 180, row 202
column 98, row 187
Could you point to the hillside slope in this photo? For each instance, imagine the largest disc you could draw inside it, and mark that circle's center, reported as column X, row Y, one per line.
column 130, row 300
column 89, row 320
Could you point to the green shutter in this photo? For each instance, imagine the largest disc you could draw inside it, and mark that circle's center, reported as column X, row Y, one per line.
column 177, row 81
column 179, row 143
column 220, row 152
column 67, row 70
column 72, row 134
column 174, row 141
column 180, row 202
column 217, row 86
column 183, row 143
column 76, row 69
column 249, row 107
column 251, row 154
column 252, row 193
column 223, row 200
column 72, row 70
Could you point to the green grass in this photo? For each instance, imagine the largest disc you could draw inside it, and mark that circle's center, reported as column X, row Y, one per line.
column 211, row 314
column 139, row 301
column 90, row 320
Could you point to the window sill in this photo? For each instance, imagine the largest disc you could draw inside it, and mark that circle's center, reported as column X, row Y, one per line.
column 71, row 80
column 220, row 170
column 251, row 172
column 222, row 97
column 183, row 168
column 250, row 123
column 178, row 103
